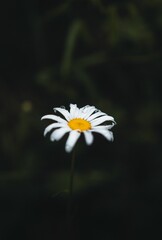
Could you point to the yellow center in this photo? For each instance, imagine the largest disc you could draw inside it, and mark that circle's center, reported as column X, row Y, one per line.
column 79, row 124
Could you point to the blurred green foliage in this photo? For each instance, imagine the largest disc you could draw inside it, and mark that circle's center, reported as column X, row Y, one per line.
column 96, row 52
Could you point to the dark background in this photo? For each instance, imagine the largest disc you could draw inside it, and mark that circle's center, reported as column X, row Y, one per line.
column 96, row 52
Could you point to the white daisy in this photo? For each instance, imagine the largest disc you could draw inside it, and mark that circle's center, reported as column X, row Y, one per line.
column 84, row 120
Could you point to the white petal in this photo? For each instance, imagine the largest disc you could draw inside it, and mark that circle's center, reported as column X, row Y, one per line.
column 106, row 133
column 59, row 133
column 64, row 112
column 51, row 126
column 89, row 112
column 54, row 117
column 100, row 120
column 104, row 127
column 88, row 137
column 95, row 115
column 84, row 109
column 74, row 110
column 71, row 141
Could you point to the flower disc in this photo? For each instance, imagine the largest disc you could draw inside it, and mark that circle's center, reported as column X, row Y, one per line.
column 79, row 124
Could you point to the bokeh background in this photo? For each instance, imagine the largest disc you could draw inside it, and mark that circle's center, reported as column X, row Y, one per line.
column 98, row 52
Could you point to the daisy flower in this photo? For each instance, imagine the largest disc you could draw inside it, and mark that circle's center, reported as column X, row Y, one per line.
column 86, row 120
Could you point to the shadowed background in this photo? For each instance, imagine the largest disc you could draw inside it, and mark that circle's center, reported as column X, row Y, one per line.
column 102, row 53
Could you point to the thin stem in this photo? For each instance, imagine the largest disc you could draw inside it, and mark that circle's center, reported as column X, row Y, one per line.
column 69, row 207
column 71, row 183
column 72, row 174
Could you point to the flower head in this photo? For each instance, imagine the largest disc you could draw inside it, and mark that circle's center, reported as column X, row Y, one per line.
column 84, row 120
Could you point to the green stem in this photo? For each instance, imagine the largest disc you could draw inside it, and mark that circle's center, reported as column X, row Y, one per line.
column 69, row 207
column 72, row 174
column 71, row 183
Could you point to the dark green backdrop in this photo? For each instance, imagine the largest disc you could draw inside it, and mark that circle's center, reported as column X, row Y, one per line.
column 96, row 52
